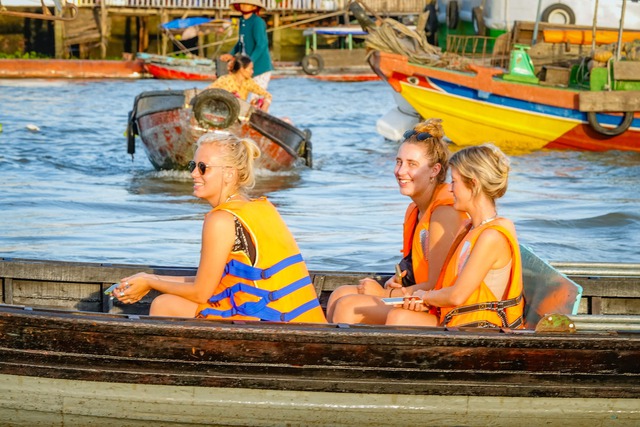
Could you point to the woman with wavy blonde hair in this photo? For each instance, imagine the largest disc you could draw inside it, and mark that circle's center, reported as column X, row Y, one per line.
column 481, row 284
column 430, row 226
column 250, row 265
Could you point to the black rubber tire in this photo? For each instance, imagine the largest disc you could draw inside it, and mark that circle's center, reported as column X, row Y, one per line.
column 546, row 14
column 622, row 127
column 453, row 14
column 478, row 21
column 216, row 108
column 431, row 27
column 131, row 134
column 312, row 64
column 361, row 16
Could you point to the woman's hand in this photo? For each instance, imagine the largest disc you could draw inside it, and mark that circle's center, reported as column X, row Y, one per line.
column 369, row 286
column 133, row 288
column 416, row 301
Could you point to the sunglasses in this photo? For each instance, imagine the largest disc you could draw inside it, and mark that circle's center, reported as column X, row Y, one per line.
column 420, row 136
column 202, row 166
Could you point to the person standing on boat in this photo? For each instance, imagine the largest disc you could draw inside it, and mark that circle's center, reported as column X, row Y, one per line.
column 481, row 284
column 430, row 226
column 240, row 83
column 252, row 40
column 250, row 265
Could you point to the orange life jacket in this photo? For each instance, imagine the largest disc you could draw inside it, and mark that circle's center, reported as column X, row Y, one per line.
column 416, row 233
column 277, row 287
column 482, row 308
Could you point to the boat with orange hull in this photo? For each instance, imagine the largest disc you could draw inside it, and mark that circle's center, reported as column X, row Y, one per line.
column 482, row 104
column 177, row 72
column 169, row 122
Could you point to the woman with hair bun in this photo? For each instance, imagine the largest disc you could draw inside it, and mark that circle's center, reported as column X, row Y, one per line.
column 250, row 265
column 430, row 227
column 481, row 284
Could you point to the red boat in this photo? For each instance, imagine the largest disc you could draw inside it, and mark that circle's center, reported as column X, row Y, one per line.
column 169, row 122
column 176, row 72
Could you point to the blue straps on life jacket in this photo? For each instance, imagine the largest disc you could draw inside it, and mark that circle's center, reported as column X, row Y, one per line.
column 259, row 308
column 248, row 272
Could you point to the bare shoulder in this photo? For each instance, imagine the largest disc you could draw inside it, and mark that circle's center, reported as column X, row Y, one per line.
column 216, row 221
column 448, row 215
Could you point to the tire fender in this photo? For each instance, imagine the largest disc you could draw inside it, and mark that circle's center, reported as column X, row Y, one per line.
column 216, row 108
column 622, row 127
column 453, row 14
column 557, row 7
column 312, row 64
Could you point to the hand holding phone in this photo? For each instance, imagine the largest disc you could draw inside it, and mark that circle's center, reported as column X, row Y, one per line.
column 400, row 300
column 110, row 289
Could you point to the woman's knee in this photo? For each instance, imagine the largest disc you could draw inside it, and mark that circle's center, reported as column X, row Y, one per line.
column 172, row 305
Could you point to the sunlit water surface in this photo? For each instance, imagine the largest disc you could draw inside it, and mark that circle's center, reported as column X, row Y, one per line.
column 71, row 192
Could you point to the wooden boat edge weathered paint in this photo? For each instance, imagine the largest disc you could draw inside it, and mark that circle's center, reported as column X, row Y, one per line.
column 238, row 364
column 499, row 110
column 165, row 122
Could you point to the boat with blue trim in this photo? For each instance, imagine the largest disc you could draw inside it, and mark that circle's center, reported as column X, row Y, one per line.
column 583, row 104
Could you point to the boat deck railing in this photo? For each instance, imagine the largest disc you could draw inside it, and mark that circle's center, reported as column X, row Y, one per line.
column 311, row 6
column 482, row 50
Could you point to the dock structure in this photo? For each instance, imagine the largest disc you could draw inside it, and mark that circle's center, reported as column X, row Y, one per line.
column 93, row 23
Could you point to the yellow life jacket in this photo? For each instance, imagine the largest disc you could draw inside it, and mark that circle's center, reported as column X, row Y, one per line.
column 483, row 308
column 277, row 287
column 416, row 233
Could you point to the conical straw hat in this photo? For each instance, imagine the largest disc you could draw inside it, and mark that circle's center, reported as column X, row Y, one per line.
column 257, row 3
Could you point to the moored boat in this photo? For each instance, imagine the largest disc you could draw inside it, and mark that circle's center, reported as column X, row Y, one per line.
column 69, row 355
column 169, row 122
column 580, row 106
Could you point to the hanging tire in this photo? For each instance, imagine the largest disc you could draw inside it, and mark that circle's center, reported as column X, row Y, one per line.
column 216, row 108
column 478, row 21
column 361, row 16
column 622, row 127
column 453, row 14
column 312, row 64
column 561, row 10
column 131, row 134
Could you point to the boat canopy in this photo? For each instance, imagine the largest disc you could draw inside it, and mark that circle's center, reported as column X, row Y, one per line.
column 181, row 24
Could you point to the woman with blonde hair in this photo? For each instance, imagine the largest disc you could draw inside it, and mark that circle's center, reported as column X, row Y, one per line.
column 430, row 226
column 481, row 284
column 250, row 265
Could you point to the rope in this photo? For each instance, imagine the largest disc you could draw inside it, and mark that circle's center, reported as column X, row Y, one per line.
column 393, row 37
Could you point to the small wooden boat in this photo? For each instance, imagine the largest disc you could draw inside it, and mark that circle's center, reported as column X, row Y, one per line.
column 168, row 67
column 169, row 122
column 70, row 355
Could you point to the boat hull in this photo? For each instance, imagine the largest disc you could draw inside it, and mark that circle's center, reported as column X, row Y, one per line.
column 165, row 122
column 113, row 363
column 478, row 107
column 169, row 72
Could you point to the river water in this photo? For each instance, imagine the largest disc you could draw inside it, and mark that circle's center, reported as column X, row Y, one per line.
column 71, row 192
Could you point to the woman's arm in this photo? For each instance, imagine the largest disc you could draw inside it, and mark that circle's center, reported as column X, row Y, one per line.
column 259, row 32
column 491, row 251
column 218, row 236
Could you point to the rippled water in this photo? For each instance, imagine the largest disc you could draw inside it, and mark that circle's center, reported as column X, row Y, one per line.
column 71, row 192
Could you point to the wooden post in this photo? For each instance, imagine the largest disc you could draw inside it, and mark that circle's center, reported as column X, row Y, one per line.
column 164, row 18
column 277, row 38
column 103, row 30
column 58, row 35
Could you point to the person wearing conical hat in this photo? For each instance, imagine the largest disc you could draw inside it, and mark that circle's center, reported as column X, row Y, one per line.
column 252, row 40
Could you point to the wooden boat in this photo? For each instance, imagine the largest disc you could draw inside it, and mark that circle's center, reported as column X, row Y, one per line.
column 70, row 355
column 169, row 122
column 561, row 107
column 168, row 67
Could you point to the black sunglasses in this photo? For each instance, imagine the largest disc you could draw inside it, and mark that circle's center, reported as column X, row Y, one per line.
column 420, row 136
column 202, row 166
